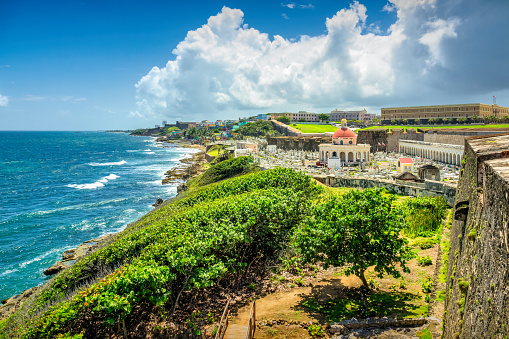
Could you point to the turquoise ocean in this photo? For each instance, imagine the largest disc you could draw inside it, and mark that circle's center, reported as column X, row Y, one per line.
column 59, row 189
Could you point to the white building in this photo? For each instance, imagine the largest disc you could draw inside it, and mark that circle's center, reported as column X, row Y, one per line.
column 449, row 154
column 344, row 149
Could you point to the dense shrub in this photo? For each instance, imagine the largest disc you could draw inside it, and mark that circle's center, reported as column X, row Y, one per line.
column 423, row 215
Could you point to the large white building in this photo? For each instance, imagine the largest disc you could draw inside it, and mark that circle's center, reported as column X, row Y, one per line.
column 344, row 149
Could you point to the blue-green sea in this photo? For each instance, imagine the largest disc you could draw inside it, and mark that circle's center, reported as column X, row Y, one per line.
column 59, row 189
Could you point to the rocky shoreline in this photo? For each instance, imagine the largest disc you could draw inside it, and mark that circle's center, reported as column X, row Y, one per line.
column 188, row 169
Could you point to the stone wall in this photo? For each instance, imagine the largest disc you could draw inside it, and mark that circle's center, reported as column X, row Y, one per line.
column 451, row 138
column 427, row 189
column 299, row 143
column 376, row 138
column 477, row 298
column 395, row 135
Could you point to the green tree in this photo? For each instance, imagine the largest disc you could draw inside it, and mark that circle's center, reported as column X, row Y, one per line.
column 405, row 121
column 393, row 122
column 447, row 120
column 323, row 117
column 417, row 121
column 475, row 118
column 302, row 120
column 461, row 120
column 360, row 229
column 284, row 119
column 505, row 118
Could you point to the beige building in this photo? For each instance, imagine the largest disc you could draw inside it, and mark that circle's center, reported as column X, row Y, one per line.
column 444, row 111
column 337, row 115
column 344, row 149
column 309, row 117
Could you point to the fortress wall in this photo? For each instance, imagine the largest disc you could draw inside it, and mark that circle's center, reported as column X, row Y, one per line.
column 479, row 253
column 298, row 143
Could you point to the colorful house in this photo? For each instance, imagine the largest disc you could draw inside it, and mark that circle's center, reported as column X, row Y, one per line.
column 405, row 165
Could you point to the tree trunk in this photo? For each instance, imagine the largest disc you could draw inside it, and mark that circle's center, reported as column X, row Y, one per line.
column 363, row 278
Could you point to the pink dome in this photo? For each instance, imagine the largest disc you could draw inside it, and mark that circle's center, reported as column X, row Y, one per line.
column 344, row 132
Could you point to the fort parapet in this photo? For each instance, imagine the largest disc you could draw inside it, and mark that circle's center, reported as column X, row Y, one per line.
column 477, row 302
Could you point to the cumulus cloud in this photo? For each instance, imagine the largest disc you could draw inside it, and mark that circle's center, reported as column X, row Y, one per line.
column 225, row 66
column 4, row 101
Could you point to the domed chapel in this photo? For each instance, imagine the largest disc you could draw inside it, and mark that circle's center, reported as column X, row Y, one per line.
column 344, row 149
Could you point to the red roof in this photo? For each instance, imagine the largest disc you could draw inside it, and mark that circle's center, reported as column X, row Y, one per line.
column 344, row 132
column 406, row 160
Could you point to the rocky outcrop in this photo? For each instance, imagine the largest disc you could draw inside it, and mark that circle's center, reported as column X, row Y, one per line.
column 70, row 256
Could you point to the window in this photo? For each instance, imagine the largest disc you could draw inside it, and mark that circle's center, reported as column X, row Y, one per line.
column 350, row 142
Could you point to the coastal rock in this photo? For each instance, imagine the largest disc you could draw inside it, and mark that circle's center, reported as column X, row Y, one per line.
column 70, row 256
column 12, row 304
column 55, row 268
column 159, row 201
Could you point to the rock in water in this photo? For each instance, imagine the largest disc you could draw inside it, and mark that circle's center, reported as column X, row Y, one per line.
column 159, row 201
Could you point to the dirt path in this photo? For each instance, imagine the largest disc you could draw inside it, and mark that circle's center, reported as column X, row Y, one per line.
column 286, row 304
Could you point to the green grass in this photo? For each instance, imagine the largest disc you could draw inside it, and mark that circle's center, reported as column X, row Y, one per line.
column 305, row 128
column 424, row 334
column 436, row 126
column 214, row 150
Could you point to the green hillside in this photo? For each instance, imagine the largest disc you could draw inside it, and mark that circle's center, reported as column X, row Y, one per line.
column 209, row 239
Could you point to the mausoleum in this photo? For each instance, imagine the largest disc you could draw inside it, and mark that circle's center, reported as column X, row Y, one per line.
column 344, row 149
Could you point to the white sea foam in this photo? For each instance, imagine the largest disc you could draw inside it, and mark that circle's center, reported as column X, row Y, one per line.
column 118, row 163
column 6, row 272
column 44, row 255
column 147, row 150
column 99, row 183
column 150, row 153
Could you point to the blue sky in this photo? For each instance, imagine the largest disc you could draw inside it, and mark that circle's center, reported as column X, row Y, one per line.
column 89, row 65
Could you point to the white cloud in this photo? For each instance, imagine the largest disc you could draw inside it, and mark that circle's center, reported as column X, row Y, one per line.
column 4, row 101
column 290, row 5
column 285, row 16
column 307, row 6
column 225, row 67
column 438, row 30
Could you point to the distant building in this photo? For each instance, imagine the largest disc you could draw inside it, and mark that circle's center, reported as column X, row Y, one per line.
column 262, row 116
column 444, row 111
column 337, row 115
column 307, row 116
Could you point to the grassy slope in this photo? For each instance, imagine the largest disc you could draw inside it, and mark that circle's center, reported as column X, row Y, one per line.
column 305, row 128
column 149, row 261
column 154, row 234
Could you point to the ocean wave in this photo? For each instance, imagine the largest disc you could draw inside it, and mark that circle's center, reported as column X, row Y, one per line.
column 6, row 272
column 76, row 207
column 44, row 255
column 147, row 150
column 118, row 163
column 99, row 183
column 150, row 153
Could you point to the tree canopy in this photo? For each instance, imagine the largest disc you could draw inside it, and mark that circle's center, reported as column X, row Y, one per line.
column 360, row 229
column 323, row 117
column 284, row 119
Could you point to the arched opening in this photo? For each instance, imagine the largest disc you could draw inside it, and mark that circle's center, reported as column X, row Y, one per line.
column 334, row 154
column 342, row 156
column 341, row 142
column 350, row 156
